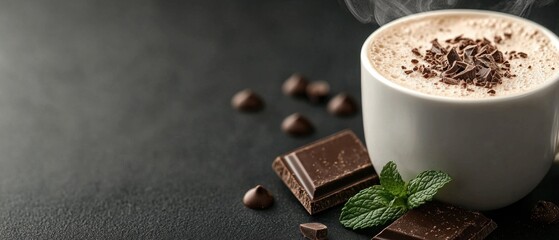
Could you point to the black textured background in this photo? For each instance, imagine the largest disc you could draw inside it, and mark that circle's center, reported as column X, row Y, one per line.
column 115, row 117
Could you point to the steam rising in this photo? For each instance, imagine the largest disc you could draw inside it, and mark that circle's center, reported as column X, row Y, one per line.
column 384, row 11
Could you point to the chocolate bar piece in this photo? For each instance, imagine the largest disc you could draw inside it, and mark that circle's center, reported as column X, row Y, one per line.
column 436, row 220
column 327, row 172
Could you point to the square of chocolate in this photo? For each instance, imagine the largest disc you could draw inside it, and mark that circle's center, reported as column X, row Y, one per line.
column 436, row 220
column 327, row 172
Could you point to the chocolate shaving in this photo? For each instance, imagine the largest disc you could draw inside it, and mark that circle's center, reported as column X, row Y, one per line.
column 451, row 81
column 470, row 50
column 437, row 48
column 416, row 52
column 469, row 73
column 452, row 56
column 498, row 56
column 498, row 39
column 464, row 61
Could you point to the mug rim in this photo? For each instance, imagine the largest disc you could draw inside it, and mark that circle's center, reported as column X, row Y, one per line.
column 366, row 61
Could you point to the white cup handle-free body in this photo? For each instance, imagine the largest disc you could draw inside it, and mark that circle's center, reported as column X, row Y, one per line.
column 496, row 149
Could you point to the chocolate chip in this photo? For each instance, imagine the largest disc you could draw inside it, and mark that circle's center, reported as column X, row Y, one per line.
column 247, row 100
column 295, row 85
column 297, row 125
column 258, row 198
column 545, row 212
column 414, row 61
column 342, row 105
column 318, row 91
column 314, row 231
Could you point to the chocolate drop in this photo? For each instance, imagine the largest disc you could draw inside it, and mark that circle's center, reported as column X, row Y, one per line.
column 296, row 85
column 342, row 105
column 247, row 100
column 318, row 91
column 258, row 198
column 297, row 125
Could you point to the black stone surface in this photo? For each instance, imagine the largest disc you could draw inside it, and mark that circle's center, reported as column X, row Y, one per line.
column 115, row 117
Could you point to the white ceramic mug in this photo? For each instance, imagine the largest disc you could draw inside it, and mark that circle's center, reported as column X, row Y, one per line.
column 496, row 149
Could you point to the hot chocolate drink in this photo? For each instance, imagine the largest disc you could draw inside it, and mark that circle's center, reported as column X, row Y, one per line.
column 522, row 57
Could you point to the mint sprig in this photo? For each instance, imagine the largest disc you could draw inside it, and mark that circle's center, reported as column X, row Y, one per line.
column 379, row 204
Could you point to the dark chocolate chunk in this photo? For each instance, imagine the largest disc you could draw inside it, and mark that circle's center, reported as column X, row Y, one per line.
column 247, row 100
column 318, row 91
column 469, row 73
column 342, row 105
column 327, row 172
column 470, row 50
column 296, row 85
column 258, row 198
column 314, row 231
column 297, row 125
column 435, row 221
column 545, row 212
column 452, row 56
column 457, row 67
column 498, row 56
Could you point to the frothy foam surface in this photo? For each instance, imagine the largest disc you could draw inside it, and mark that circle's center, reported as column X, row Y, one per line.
column 391, row 48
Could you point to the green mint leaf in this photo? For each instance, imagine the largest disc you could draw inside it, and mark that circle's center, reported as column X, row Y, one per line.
column 424, row 187
column 391, row 180
column 370, row 207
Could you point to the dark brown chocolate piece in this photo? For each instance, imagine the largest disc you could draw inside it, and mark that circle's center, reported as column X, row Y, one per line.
column 545, row 212
column 314, row 231
column 247, row 100
column 451, row 81
column 437, row 48
column 318, row 91
column 469, row 73
column 258, row 198
column 435, row 221
column 342, row 105
column 452, row 56
column 297, row 125
column 296, row 85
column 327, row 172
